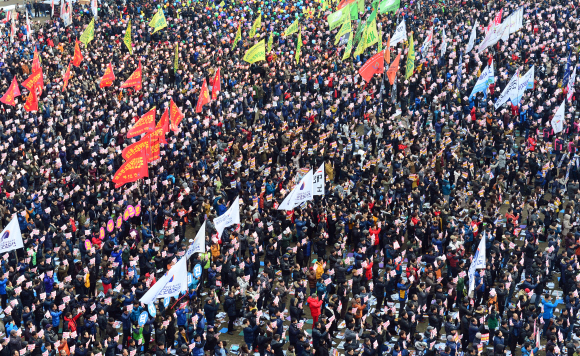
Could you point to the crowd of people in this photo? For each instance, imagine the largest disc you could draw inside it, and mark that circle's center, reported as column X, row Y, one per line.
column 420, row 174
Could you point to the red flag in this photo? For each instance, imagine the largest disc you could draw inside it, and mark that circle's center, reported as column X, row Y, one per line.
column 108, row 77
column 161, row 128
column 66, row 78
column 12, row 92
column 78, row 56
column 393, row 69
column 135, row 149
column 203, row 97
column 216, row 85
column 35, row 80
column 155, row 151
column 344, row 3
column 134, row 80
column 31, row 103
column 132, row 170
column 176, row 115
column 35, row 61
column 145, row 124
column 376, row 64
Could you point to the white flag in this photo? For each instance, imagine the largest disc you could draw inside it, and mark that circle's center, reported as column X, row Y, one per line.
column 472, row 38
column 557, row 121
column 318, row 181
column 28, row 27
column 510, row 91
column 94, row 8
column 303, row 191
column 570, row 85
column 11, row 238
column 231, row 217
column 198, row 244
column 491, row 38
column 170, row 285
column 400, row 34
column 525, row 82
column 443, row 43
column 485, row 79
column 477, row 263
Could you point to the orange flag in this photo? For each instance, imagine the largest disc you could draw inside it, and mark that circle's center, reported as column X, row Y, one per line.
column 35, row 80
column 393, row 69
column 132, row 170
column 203, row 97
column 108, row 77
column 31, row 103
column 78, row 56
column 343, row 3
column 145, row 124
column 12, row 92
column 66, row 78
column 216, row 86
column 375, row 64
column 136, row 148
column 134, row 80
column 161, row 128
column 388, row 51
column 176, row 115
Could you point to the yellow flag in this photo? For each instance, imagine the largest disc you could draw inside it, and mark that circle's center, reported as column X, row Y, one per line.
column 176, row 58
column 410, row 58
column 256, row 53
column 348, row 47
column 270, row 41
column 298, row 47
column 346, row 28
column 238, row 36
column 89, row 33
column 292, row 28
column 128, row 38
column 257, row 24
column 158, row 21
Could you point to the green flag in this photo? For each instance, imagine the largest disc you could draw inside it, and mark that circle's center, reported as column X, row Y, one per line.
column 292, row 28
column 346, row 28
column 257, row 24
column 389, row 6
column 361, row 6
column 353, row 11
column 270, row 41
column 372, row 36
column 128, row 38
column 348, row 47
column 158, row 21
column 361, row 45
column 256, row 53
column 359, row 31
column 238, row 36
column 298, row 47
column 89, row 33
column 410, row 58
column 373, row 16
column 176, row 58
column 380, row 43
column 337, row 18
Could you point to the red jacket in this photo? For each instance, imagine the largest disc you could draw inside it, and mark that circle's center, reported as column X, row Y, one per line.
column 314, row 305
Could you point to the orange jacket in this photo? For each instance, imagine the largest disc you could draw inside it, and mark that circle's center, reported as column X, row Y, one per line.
column 359, row 310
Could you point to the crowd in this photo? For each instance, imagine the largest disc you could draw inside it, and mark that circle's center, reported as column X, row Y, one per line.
column 447, row 225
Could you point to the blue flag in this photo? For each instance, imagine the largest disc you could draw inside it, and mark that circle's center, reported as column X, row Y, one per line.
column 459, row 70
column 568, row 70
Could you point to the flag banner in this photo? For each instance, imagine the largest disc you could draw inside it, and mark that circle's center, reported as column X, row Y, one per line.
column 410, row 58
column 176, row 58
column 136, row 148
column 372, row 35
column 145, row 124
column 256, row 53
column 400, row 34
column 388, row 51
column 170, row 285
column 203, row 98
column 348, row 48
column 256, row 26
column 344, row 4
column 158, row 21
column 569, row 86
column 459, row 70
column 478, row 262
column 523, row 85
column 393, row 69
column 292, row 28
column 472, row 38
column 135, row 80
column 66, row 78
column 346, row 28
column 337, row 18
column 175, row 114
column 35, row 80
column 375, row 65
column 302, row 192
column 198, row 244
column 108, row 77
column 89, row 33
column 484, row 80
column 12, row 92
column 509, row 91
column 11, row 236
column 78, row 56
column 216, row 86
column 298, row 47
column 318, row 181
column 427, row 44
column 132, row 170
column 229, row 218
column 161, row 128
column 558, row 120
column 128, row 39
column 270, row 42
column 443, row 43
column 238, row 36
column 389, row 6
column 31, row 104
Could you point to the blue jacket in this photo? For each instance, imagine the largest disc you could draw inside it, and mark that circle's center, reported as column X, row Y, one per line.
column 527, row 353
column 249, row 334
column 55, row 318
column 3, row 287
column 198, row 349
column 549, row 309
column 126, row 320
column 182, row 316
